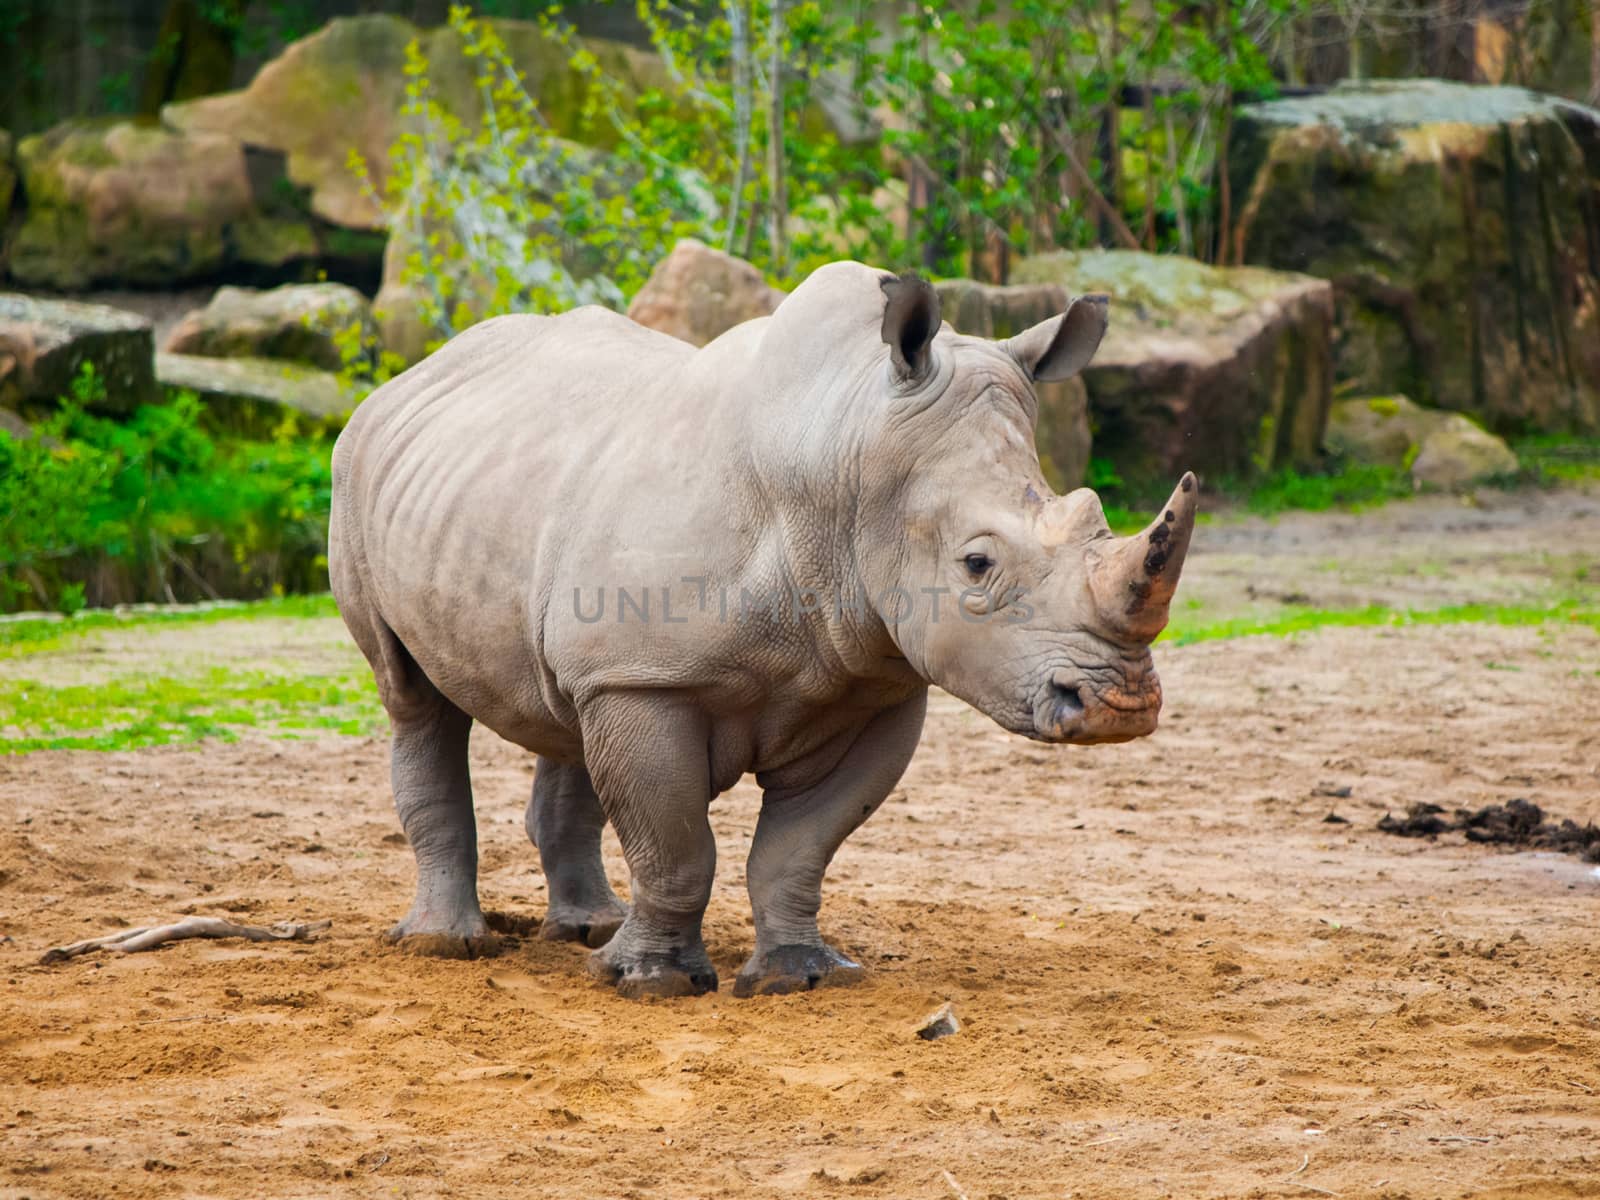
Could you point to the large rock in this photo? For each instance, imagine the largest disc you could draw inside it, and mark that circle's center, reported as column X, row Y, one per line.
column 130, row 202
column 698, row 293
column 343, row 87
column 44, row 344
column 1224, row 371
column 253, row 396
column 1460, row 455
column 1385, row 431
column 307, row 323
column 1461, row 227
column 1439, row 449
column 983, row 310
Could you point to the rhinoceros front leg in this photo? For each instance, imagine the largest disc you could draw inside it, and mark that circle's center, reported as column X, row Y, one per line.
column 433, row 794
column 565, row 821
column 647, row 757
column 796, row 837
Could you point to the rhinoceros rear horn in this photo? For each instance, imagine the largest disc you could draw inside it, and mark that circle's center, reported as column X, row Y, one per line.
column 910, row 322
column 1059, row 348
column 1133, row 578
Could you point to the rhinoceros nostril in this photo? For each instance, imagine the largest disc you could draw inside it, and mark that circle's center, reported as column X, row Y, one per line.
column 1067, row 697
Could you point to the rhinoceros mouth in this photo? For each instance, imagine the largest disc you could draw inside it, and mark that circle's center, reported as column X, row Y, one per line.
column 1069, row 707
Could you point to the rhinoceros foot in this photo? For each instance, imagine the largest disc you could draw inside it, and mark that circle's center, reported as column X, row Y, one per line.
column 796, row 969
column 466, row 938
column 446, row 945
column 593, row 927
column 652, row 974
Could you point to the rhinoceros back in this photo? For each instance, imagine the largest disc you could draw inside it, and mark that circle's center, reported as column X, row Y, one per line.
column 459, row 486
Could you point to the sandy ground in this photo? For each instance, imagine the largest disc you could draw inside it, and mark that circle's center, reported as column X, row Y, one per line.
column 1176, row 977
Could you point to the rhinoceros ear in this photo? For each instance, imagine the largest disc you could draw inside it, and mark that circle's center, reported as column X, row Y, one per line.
column 1059, row 348
column 910, row 321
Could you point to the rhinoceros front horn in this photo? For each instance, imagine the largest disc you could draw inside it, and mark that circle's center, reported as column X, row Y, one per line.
column 1134, row 577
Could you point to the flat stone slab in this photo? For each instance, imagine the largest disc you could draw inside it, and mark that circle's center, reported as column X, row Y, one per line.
column 298, row 322
column 251, row 396
column 1398, row 103
column 44, row 344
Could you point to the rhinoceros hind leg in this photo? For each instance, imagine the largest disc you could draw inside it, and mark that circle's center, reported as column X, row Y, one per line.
column 799, row 831
column 796, row 969
column 433, row 795
column 646, row 755
column 593, row 929
column 564, row 821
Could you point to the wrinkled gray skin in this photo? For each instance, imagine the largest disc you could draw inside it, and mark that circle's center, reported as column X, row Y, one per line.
column 848, row 444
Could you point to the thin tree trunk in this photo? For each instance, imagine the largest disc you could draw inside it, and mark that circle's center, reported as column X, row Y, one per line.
column 1110, row 142
column 1594, row 52
column 1148, row 130
column 739, row 20
column 1180, row 203
column 1224, row 185
column 194, row 53
column 1112, row 218
column 775, row 156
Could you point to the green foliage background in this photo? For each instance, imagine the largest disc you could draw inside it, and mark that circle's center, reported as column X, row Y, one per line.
column 98, row 511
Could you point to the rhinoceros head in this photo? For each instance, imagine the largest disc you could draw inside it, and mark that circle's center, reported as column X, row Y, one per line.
column 1047, row 617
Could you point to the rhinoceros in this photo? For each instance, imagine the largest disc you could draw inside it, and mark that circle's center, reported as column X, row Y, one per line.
column 662, row 568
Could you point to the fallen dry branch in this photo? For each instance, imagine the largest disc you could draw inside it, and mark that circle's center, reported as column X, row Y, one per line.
column 131, row 941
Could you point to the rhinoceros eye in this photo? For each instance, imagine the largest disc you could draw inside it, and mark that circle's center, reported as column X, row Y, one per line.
column 978, row 564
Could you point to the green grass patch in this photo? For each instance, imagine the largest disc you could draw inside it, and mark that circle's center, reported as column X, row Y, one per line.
column 1185, row 630
column 1352, row 487
column 1557, row 458
column 133, row 713
column 38, row 635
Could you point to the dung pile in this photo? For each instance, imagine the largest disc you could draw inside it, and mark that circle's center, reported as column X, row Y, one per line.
column 1519, row 823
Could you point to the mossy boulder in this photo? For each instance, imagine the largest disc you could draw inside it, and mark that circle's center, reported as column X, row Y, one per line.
column 697, row 293
column 128, row 202
column 309, row 323
column 45, row 344
column 1439, row 449
column 1461, row 454
column 253, row 396
column 1062, row 432
column 343, row 87
column 1380, row 430
column 1460, row 226
column 1223, row 371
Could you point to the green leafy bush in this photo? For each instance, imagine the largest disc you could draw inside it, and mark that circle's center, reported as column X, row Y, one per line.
column 501, row 215
column 96, row 511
